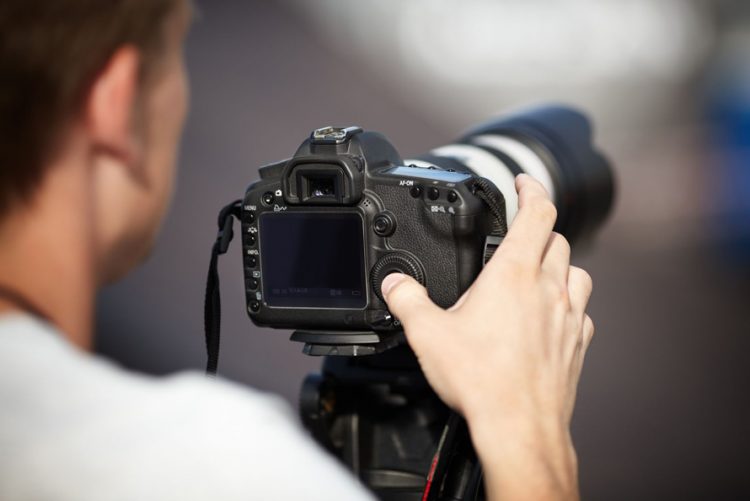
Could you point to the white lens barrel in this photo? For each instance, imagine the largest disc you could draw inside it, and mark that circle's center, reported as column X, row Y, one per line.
column 553, row 144
column 524, row 156
column 481, row 160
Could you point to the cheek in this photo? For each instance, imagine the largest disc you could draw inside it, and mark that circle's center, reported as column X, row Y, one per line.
column 164, row 120
column 176, row 108
column 143, row 205
column 169, row 122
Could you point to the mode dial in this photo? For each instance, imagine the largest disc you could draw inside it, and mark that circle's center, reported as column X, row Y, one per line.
column 395, row 262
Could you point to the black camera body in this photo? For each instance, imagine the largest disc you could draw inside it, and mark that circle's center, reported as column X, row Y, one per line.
column 323, row 229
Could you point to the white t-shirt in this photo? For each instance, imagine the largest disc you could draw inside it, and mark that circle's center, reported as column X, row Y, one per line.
column 77, row 427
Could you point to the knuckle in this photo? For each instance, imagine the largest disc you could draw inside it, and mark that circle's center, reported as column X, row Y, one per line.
column 557, row 292
column 562, row 243
column 583, row 277
column 588, row 326
column 530, row 182
column 543, row 208
column 514, row 268
column 580, row 340
column 563, row 295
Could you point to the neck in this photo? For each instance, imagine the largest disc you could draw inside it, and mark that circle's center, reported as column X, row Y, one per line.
column 47, row 253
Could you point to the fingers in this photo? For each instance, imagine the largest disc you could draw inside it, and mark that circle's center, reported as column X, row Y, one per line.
column 556, row 261
column 579, row 289
column 409, row 302
column 528, row 235
column 588, row 332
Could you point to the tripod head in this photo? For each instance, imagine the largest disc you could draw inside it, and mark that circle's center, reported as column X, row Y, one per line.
column 379, row 416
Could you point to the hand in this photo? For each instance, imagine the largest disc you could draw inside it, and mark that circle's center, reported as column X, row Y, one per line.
column 508, row 354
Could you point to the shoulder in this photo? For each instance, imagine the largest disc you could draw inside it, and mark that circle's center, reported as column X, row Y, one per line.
column 75, row 427
column 41, row 373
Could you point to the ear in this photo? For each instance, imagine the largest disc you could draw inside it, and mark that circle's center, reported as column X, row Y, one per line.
column 110, row 106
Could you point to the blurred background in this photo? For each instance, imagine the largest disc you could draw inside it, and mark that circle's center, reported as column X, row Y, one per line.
column 663, row 408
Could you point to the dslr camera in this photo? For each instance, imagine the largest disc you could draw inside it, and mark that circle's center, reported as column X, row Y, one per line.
column 321, row 230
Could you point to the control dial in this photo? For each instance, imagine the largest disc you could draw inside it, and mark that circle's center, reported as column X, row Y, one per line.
column 395, row 262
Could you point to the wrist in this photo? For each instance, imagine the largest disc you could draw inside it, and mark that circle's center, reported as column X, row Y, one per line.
column 525, row 457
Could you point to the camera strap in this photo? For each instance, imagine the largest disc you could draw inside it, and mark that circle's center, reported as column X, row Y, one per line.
column 212, row 304
column 493, row 198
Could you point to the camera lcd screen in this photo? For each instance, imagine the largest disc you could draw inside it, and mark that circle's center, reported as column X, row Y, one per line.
column 312, row 260
column 440, row 175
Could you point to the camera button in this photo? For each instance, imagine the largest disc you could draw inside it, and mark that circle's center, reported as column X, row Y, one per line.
column 249, row 217
column 415, row 191
column 433, row 193
column 268, row 198
column 254, row 306
column 250, row 239
column 252, row 284
column 252, row 261
column 384, row 224
column 452, row 196
column 382, row 319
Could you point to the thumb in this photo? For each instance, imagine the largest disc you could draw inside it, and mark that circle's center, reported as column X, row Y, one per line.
column 408, row 300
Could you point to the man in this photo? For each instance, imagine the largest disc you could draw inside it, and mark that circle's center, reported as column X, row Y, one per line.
column 93, row 100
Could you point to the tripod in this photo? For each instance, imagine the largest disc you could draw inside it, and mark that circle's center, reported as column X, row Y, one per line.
column 379, row 416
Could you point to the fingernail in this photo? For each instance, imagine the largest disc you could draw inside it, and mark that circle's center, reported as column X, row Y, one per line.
column 390, row 282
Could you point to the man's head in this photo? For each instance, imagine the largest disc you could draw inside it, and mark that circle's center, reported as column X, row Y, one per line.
column 97, row 88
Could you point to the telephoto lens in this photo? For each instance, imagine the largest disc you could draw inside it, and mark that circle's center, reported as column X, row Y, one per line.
column 552, row 144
